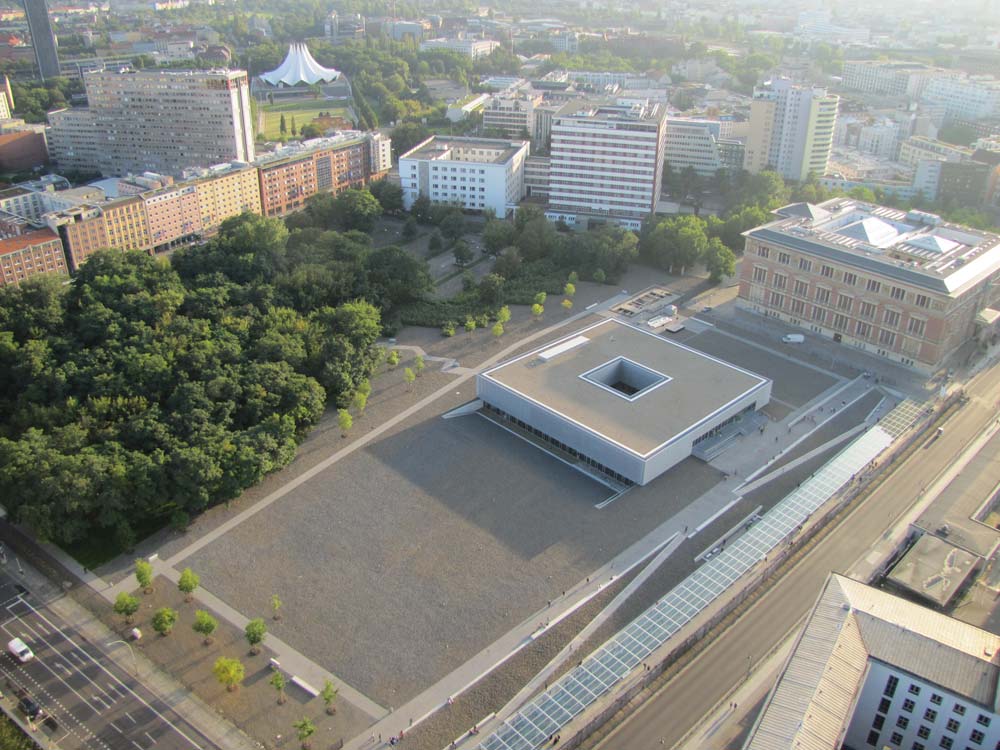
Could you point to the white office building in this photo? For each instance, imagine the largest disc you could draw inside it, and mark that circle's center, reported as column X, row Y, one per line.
column 699, row 144
column 472, row 48
column 888, row 78
column 474, row 173
column 606, row 161
column 791, row 129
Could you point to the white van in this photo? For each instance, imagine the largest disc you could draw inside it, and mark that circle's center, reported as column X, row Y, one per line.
column 19, row 650
column 793, row 338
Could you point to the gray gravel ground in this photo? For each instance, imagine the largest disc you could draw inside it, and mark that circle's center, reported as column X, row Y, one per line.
column 793, row 383
column 404, row 559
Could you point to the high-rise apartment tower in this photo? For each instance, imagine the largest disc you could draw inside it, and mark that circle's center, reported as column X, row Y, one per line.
column 43, row 41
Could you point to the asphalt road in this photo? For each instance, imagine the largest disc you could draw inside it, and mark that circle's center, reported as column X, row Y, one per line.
column 666, row 717
column 91, row 704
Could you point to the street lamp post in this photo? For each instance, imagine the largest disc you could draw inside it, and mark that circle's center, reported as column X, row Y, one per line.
column 135, row 662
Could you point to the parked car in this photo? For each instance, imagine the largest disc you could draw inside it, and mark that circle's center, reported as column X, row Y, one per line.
column 29, row 707
column 793, row 338
column 19, row 650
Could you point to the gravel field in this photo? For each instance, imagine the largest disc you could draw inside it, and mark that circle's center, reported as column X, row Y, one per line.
column 426, row 546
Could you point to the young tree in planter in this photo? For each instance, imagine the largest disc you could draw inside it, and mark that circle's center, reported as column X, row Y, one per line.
column 164, row 620
column 418, row 364
column 345, row 420
column 567, row 304
column 126, row 605
column 144, row 575
column 393, row 359
column 409, row 377
column 360, row 401
column 305, row 729
column 329, row 695
column 570, row 289
column 276, row 605
column 470, row 324
column 573, row 277
column 255, row 633
column 230, row 672
column 204, row 625
column 497, row 329
column 278, row 682
column 187, row 583
column 503, row 314
column 537, row 311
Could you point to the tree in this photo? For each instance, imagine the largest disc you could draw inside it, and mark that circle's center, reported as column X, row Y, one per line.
column 126, row 605
column 205, row 625
column 491, row 290
column 540, row 298
column 497, row 330
column 187, row 583
column 304, row 729
column 462, row 252
column 503, row 314
column 406, row 135
column 359, row 402
column 453, row 225
column 567, row 304
column 409, row 377
column 276, row 605
column 470, row 324
column 282, row 126
column 573, row 277
column 569, row 290
column 329, row 695
column 279, row 683
column 294, row 129
column 537, row 311
column 497, row 235
column 393, row 359
column 344, row 421
column 719, row 260
column 255, row 633
column 230, row 672
column 144, row 575
column 418, row 364
column 435, row 243
column 389, row 195
column 356, row 209
column 599, row 276
column 508, row 263
column 410, row 229
column 164, row 620
column 448, row 329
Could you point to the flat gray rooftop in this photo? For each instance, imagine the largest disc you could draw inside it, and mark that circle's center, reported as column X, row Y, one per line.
column 933, row 569
column 678, row 387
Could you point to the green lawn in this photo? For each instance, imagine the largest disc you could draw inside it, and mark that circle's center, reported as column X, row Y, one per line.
column 303, row 110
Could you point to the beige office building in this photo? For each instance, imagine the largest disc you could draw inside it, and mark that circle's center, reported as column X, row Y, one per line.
column 155, row 121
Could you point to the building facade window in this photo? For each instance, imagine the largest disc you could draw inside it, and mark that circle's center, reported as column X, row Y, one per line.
column 891, row 319
column 850, row 278
column 826, row 272
column 805, row 265
column 916, row 327
column 801, row 288
column 823, row 296
column 898, row 293
column 759, row 275
column 873, row 286
column 922, row 300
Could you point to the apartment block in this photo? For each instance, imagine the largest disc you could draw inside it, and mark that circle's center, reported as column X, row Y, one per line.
column 293, row 173
column 223, row 192
column 918, row 147
column 881, row 77
column 908, row 287
column 43, row 41
column 31, row 254
column 513, row 115
column 186, row 118
column 477, row 174
column 606, row 160
column 791, row 129
column 973, row 98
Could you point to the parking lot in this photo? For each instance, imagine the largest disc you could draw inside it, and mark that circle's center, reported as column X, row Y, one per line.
column 86, row 701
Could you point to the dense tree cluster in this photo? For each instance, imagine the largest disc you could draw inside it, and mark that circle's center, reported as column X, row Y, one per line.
column 146, row 390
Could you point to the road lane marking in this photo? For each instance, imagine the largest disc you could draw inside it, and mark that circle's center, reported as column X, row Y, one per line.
column 110, row 674
column 130, row 718
column 150, row 737
column 138, row 745
column 115, row 727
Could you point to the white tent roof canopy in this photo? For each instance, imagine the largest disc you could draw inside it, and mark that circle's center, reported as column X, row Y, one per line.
column 299, row 67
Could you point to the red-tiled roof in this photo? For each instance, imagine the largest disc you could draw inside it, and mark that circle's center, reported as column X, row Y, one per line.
column 13, row 244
